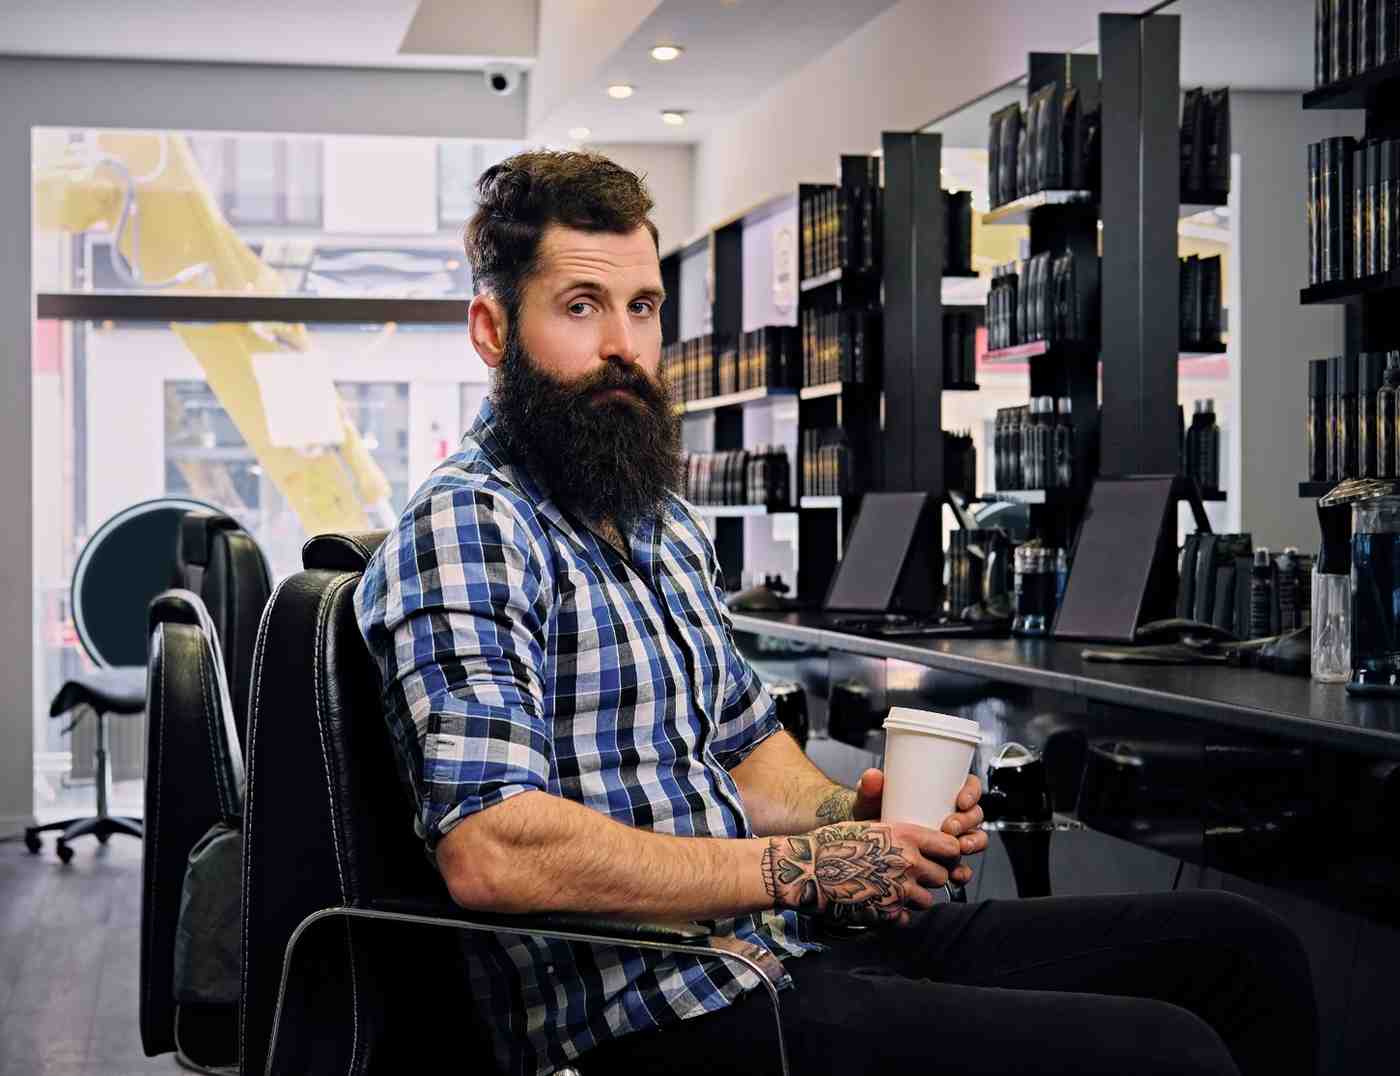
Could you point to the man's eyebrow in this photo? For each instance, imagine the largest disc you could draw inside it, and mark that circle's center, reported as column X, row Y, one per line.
column 595, row 288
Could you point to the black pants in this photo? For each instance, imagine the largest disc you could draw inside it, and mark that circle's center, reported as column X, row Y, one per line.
column 1172, row 983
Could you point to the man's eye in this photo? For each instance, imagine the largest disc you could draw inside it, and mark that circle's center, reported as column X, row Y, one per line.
column 642, row 306
column 580, row 307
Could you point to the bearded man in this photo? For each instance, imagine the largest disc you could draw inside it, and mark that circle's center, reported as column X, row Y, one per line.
column 581, row 733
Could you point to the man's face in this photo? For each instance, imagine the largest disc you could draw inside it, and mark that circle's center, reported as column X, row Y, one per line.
column 594, row 300
column 575, row 387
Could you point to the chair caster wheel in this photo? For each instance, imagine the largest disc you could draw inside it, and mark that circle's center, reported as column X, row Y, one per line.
column 64, row 852
column 33, row 843
column 102, row 837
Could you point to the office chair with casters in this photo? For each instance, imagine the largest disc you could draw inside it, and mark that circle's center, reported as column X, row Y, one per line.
column 127, row 562
column 335, row 881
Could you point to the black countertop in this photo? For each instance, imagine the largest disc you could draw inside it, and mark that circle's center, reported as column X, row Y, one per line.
column 1289, row 706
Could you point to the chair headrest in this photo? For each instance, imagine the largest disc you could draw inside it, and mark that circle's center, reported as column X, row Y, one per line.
column 347, row 552
column 173, row 607
column 196, row 530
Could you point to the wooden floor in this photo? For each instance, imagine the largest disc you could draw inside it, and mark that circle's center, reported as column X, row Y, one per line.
column 69, row 945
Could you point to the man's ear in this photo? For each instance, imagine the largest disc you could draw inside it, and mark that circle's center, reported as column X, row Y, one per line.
column 488, row 328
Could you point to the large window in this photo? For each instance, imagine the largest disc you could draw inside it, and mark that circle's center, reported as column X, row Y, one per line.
column 133, row 403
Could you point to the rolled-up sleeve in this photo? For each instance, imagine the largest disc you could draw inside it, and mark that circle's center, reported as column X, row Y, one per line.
column 465, row 608
column 749, row 716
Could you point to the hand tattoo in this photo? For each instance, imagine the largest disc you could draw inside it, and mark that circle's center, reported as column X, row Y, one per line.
column 836, row 807
column 849, row 873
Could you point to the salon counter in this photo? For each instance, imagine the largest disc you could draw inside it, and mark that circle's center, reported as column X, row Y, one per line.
column 1207, row 777
column 1293, row 707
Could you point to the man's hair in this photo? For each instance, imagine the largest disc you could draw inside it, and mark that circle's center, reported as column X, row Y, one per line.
column 524, row 194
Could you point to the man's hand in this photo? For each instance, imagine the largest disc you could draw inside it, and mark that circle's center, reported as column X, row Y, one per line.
column 859, row 872
column 964, row 824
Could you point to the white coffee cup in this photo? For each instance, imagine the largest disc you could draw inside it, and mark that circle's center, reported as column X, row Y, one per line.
column 927, row 758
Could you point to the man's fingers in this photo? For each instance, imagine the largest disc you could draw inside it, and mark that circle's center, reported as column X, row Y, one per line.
column 963, row 821
column 973, row 843
column 931, row 842
column 916, row 896
column 970, row 794
column 962, row 875
column 928, row 873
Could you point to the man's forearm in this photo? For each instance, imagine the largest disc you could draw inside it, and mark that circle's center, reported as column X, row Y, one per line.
column 541, row 853
column 784, row 792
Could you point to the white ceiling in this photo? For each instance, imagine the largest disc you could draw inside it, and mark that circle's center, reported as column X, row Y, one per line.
column 336, row 33
column 735, row 51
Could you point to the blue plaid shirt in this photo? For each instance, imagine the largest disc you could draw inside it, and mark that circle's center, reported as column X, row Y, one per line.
column 521, row 652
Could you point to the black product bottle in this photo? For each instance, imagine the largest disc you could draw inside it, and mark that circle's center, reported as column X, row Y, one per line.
column 1193, row 442
column 1334, row 378
column 1208, row 450
column 1016, row 430
column 1064, row 444
column 1046, row 437
column 1387, row 416
column 1347, row 439
column 1317, row 420
column 1372, row 376
column 782, row 478
column 1261, row 595
column 1287, row 588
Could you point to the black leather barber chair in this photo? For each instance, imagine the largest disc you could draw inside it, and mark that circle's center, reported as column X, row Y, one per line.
column 337, row 889
column 194, row 781
column 126, row 563
column 222, row 563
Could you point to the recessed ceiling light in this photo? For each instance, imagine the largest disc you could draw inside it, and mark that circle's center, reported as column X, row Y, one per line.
column 620, row 91
column 666, row 53
column 673, row 117
column 578, row 134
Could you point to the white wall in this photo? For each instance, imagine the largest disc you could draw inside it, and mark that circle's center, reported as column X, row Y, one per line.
column 1272, row 334
column 669, row 172
column 223, row 97
column 918, row 60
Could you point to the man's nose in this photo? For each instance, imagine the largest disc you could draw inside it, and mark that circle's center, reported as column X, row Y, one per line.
column 618, row 342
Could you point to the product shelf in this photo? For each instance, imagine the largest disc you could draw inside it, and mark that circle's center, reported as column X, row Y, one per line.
column 734, row 399
column 731, row 511
column 1353, row 290
column 1359, row 91
column 1019, row 211
column 1020, row 351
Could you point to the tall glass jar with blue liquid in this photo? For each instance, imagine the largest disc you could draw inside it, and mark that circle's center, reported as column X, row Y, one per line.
column 1375, row 595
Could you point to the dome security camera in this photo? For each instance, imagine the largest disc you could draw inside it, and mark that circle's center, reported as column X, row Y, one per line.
column 501, row 79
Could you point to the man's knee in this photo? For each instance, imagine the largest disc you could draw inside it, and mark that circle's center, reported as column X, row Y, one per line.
column 1155, row 1038
column 1247, row 925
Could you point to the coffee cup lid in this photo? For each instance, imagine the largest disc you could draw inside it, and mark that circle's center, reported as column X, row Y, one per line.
column 904, row 719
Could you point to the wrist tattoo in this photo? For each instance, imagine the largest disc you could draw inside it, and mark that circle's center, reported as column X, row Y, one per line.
column 836, row 807
column 848, row 872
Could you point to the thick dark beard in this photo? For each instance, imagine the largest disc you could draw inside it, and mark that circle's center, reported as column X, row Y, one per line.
column 606, row 459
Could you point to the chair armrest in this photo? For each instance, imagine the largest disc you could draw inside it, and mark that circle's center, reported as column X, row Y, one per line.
column 618, row 930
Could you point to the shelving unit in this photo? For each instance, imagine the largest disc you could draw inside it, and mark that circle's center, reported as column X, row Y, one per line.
column 853, row 407
column 1372, row 310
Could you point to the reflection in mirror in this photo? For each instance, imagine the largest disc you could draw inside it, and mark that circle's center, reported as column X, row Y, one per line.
column 1261, row 51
